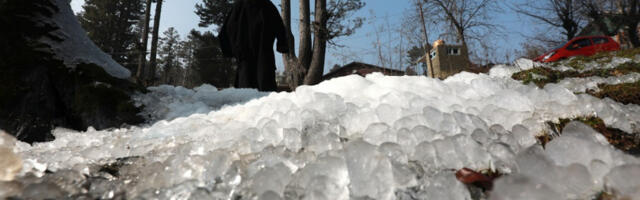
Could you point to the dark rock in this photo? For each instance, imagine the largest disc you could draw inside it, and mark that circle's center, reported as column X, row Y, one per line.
column 43, row 191
column 10, row 189
column 44, row 85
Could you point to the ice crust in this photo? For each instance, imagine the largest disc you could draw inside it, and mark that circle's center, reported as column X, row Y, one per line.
column 376, row 137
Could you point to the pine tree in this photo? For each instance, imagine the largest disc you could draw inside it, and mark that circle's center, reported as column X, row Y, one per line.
column 169, row 62
column 144, row 29
column 185, row 52
column 151, row 78
column 209, row 63
column 213, row 12
column 111, row 24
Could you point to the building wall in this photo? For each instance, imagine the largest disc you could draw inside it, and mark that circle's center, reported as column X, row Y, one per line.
column 445, row 65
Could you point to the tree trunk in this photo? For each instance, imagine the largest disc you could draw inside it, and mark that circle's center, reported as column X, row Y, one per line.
column 297, row 67
column 142, row 58
column 286, row 19
column 632, row 31
column 632, row 24
column 427, row 51
column 291, row 67
column 305, row 34
column 314, row 75
column 154, row 44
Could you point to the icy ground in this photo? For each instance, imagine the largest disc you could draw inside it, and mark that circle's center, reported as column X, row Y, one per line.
column 377, row 137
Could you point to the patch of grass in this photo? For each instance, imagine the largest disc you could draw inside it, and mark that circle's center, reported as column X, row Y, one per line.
column 601, row 58
column 628, row 143
column 625, row 93
column 527, row 76
column 578, row 62
column 555, row 76
column 628, row 53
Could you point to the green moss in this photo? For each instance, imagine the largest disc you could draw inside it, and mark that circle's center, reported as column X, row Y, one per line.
column 531, row 76
column 625, row 93
column 628, row 53
column 555, row 76
column 578, row 62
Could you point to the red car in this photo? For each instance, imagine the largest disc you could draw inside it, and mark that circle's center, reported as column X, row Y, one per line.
column 580, row 46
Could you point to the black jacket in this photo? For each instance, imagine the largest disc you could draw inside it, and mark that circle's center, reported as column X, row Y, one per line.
column 248, row 34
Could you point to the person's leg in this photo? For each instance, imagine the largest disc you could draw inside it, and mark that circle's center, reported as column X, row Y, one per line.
column 246, row 75
column 267, row 79
column 243, row 74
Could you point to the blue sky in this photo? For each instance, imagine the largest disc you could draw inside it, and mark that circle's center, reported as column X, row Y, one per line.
column 360, row 46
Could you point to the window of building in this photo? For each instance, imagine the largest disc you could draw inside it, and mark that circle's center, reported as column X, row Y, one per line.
column 433, row 54
column 453, row 51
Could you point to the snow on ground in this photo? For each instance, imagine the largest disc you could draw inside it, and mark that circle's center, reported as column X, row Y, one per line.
column 581, row 85
column 612, row 64
column 379, row 137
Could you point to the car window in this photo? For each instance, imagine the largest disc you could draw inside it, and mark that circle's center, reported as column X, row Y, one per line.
column 558, row 47
column 600, row 40
column 579, row 44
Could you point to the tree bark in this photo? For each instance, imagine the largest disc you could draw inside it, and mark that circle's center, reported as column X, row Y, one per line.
column 567, row 15
column 286, row 19
column 292, row 69
column 314, row 75
column 154, row 44
column 633, row 18
column 305, row 34
column 142, row 60
column 426, row 38
column 565, row 12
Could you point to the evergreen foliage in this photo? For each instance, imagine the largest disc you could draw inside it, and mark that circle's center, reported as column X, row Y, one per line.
column 194, row 61
column 169, row 62
column 213, row 12
column 112, row 25
column 209, row 62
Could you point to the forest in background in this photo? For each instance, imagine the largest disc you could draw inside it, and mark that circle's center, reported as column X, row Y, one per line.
column 125, row 30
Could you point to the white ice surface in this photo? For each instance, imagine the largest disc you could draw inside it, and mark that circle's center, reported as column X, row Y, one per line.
column 353, row 137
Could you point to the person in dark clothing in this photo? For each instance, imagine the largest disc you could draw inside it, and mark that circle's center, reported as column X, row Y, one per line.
column 247, row 35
